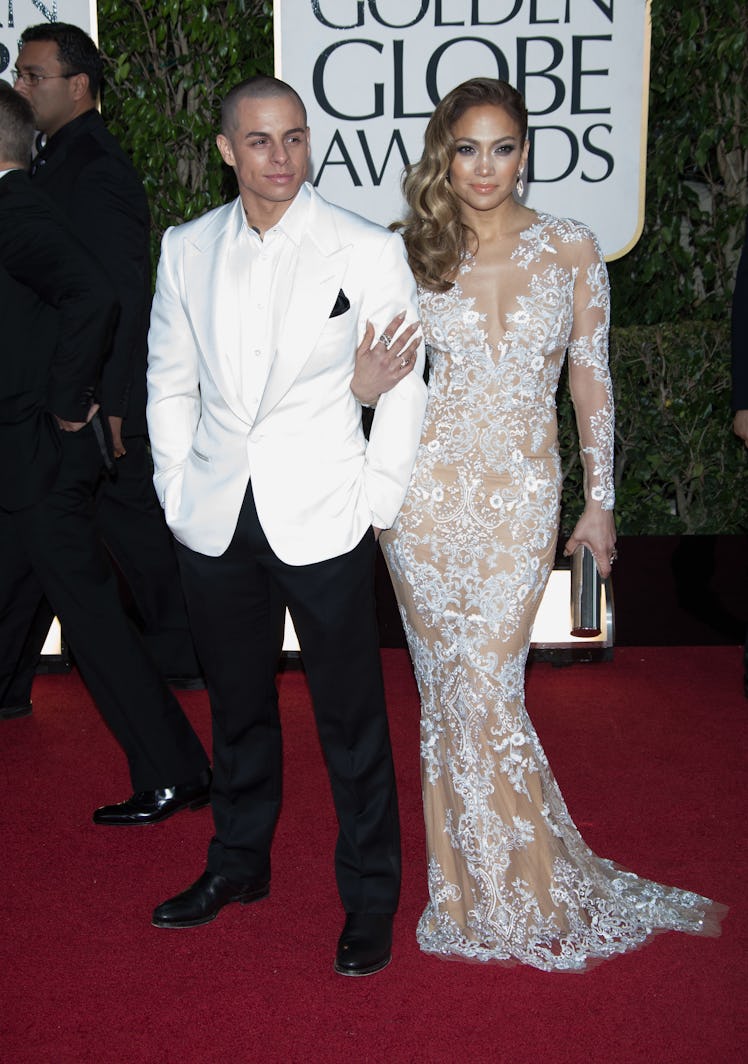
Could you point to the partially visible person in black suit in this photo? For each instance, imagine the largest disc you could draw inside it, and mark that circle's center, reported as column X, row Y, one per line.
column 82, row 168
column 740, row 372
column 57, row 310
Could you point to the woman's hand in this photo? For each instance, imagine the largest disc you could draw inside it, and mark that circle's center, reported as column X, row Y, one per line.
column 381, row 365
column 595, row 529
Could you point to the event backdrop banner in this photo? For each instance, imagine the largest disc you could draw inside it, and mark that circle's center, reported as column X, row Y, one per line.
column 371, row 72
column 16, row 15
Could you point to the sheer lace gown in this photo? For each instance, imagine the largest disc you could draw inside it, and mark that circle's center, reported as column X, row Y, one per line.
column 510, row 877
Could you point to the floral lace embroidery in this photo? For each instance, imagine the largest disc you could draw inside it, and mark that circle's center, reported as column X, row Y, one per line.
column 470, row 555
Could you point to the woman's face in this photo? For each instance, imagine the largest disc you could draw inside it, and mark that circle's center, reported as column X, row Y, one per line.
column 489, row 154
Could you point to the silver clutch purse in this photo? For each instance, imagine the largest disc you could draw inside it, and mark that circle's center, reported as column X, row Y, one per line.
column 586, row 587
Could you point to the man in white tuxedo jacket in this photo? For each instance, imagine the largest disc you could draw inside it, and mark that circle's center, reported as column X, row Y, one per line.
column 261, row 315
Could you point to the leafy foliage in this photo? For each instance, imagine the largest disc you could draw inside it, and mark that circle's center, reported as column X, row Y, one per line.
column 679, row 468
column 697, row 167
column 170, row 62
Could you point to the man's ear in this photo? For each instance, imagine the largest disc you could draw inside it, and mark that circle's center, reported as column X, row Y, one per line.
column 224, row 146
column 80, row 87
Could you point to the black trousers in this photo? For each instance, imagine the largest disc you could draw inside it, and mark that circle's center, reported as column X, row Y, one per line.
column 236, row 607
column 53, row 549
column 131, row 523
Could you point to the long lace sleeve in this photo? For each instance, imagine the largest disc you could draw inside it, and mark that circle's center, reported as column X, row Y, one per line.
column 589, row 375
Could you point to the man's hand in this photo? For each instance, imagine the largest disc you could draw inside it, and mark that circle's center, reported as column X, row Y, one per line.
column 381, row 365
column 76, row 426
column 740, row 425
column 115, row 427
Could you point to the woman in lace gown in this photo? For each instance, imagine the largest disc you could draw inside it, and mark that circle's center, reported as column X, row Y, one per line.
column 504, row 293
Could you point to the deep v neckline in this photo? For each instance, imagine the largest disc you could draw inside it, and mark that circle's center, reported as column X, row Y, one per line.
column 504, row 320
column 526, row 248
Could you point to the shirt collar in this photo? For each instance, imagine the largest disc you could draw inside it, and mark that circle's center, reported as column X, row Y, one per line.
column 293, row 223
column 66, row 133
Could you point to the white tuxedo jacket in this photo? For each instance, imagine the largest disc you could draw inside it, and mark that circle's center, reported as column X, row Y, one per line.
column 317, row 484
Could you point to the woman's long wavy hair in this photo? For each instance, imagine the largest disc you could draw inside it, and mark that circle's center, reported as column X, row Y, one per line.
column 435, row 236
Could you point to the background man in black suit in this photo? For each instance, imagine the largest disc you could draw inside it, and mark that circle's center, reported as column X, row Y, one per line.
column 85, row 172
column 57, row 311
column 740, row 371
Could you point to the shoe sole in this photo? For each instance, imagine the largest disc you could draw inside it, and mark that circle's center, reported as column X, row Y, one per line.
column 198, row 803
column 243, row 899
column 16, row 714
column 359, row 972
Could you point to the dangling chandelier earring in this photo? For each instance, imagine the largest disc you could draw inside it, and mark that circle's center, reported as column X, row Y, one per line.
column 520, row 185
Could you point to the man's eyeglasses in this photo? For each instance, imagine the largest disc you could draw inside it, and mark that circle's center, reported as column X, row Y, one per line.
column 31, row 79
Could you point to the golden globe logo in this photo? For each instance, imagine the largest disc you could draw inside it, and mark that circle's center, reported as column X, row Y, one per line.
column 371, row 72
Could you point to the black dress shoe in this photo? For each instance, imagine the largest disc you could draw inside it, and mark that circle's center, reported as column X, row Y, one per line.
column 149, row 807
column 202, row 902
column 11, row 712
column 365, row 947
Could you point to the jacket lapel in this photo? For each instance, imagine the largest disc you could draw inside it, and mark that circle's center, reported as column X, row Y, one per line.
column 213, row 279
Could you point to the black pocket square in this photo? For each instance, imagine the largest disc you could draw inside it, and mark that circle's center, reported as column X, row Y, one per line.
column 341, row 305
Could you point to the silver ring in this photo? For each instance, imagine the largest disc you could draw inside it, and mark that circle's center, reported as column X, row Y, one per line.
column 404, row 362
column 386, row 340
column 613, row 556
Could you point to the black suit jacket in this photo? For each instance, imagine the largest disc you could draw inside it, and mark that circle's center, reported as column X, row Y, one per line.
column 85, row 172
column 56, row 311
column 740, row 333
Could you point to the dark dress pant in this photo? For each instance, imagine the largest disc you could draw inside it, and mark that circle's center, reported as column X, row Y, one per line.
column 131, row 523
column 236, row 607
column 53, row 549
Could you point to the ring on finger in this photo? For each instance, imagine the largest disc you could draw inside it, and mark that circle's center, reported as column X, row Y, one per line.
column 404, row 362
column 385, row 339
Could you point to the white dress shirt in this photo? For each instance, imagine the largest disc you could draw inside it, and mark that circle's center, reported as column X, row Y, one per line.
column 270, row 266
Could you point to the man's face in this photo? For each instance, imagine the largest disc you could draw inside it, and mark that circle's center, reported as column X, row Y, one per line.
column 268, row 149
column 54, row 99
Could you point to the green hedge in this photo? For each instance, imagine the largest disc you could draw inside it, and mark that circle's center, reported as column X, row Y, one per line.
column 169, row 65
column 679, row 468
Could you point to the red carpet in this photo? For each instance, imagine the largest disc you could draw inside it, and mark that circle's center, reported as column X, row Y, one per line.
column 648, row 750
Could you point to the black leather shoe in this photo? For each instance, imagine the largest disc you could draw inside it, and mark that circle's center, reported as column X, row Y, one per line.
column 149, row 807
column 11, row 712
column 202, row 902
column 365, row 947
